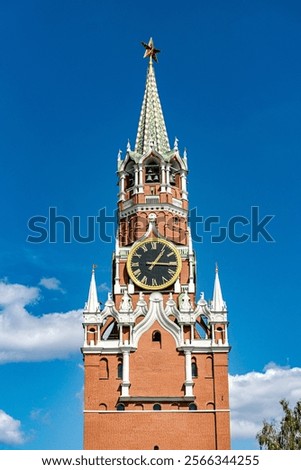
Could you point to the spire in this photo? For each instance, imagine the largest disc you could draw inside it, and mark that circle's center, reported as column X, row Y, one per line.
column 92, row 303
column 151, row 129
column 218, row 304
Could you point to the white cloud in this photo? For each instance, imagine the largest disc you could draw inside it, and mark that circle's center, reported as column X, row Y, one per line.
column 104, row 287
column 10, row 430
column 255, row 396
column 25, row 337
column 51, row 283
column 40, row 415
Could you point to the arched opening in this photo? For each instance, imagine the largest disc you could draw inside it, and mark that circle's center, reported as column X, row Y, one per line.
column 156, row 448
column 111, row 332
column 220, row 335
column 120, row 369
column 103, row 368
column 157, row 407
column 120, row 407
column 209, row 366
column 130, row 175
column 139, row 407
column 156, row 339
column 152, row 171
column 91, row 335
column 174, row 406
column 210, row 405
column 192, row 407
column 194, row 367
column 174, row 177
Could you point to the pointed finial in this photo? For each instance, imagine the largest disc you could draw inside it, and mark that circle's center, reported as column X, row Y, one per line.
column 218, row 304
column 185, row 154
column 92, row 304
column 128, row 147
column 119, row 155
column 150, row 50
column 141, row 296
column 175, row 145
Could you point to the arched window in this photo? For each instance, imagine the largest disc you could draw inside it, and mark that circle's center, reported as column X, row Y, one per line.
column 156, row 337
column 174, row 173
column 120, row 407
column 192, row 406
column 139, row 407
column 103, row 369
column 156, row 447
column 91, row 335
column 209, row 366
column 157, row 407
column 220, row 334
column 152, row 171
column 130, row 175
column 120, row 369
column 194, row 367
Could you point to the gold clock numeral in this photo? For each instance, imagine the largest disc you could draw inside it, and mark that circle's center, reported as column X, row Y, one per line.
column 144, row 248
column 137, row 272
column 144, row 280
column 154, row 282
column 170, row 254
column 154, row 245
column 164, row 279
column 171, row 272
column 135, row 265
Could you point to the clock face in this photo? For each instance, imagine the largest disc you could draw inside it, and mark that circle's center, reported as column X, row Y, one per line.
column 154, row 264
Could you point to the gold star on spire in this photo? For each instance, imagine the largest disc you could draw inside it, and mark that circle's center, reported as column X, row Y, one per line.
column 150, row 50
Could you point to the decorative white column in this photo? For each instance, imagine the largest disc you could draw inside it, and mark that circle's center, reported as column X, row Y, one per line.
column 140, row 178
column 125, row 386
column 163, row 178
column 183, row 185
column 117, row 273
column 188, row 374
column 191, row 284
column 86, row 336
column 121, row 187
column 168, row 178
column 136, row 179
column 98, row 333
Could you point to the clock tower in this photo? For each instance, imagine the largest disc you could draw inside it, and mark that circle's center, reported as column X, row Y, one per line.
column 156, row 356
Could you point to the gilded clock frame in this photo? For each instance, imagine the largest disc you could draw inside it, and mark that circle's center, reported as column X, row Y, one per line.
column 164, row 285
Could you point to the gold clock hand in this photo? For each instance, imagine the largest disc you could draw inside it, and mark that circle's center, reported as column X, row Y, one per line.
column 156, row 260
column 161, row 263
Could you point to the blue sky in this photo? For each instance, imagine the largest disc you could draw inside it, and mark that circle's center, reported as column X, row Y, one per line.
column 72, row 79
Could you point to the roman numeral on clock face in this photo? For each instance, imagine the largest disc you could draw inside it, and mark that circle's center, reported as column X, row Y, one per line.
column 137, row 272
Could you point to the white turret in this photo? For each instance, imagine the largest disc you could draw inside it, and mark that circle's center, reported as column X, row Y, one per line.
column 218, row 304
column 92, row 305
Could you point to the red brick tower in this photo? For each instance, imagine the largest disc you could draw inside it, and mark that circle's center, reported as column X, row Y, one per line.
column 156, row 360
